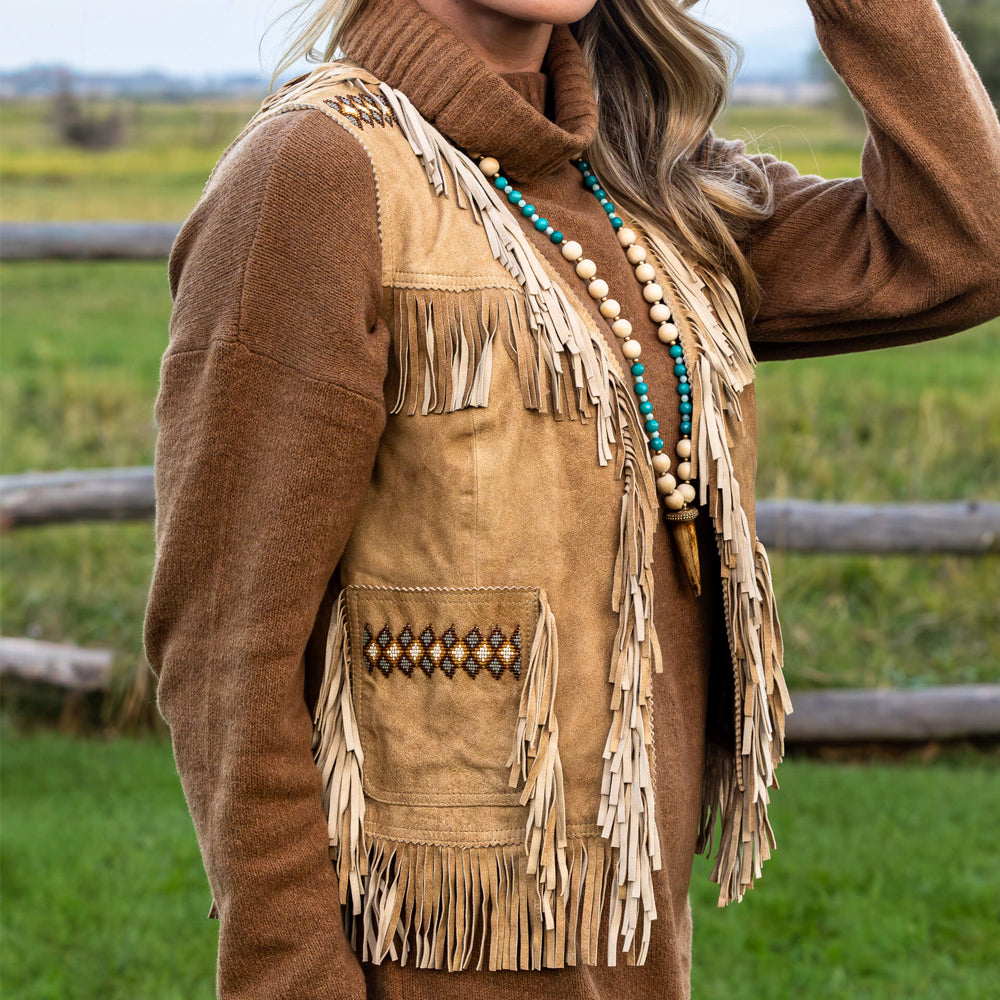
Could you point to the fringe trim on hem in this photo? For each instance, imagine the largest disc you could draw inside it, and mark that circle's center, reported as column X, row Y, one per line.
column 448, row 908
column 734, row 786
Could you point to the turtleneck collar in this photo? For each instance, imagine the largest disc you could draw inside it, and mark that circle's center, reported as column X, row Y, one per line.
column 501, row 115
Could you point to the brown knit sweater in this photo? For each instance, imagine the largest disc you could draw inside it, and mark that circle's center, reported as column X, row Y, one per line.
column 271, row 410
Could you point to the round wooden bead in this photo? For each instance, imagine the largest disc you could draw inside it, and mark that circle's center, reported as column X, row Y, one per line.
column 674, row 501
column 572, row 250
column 653, row 292
column 684, row 471
column 659, row 312
column 661, row 463
column 645, row 272
column 626, row 237
column 684, row 448
column 610, row 309
column 621, row 328
column 586, row 269
column 631, row 349
column 667, row 332
column 635, row 254
column 666, row 484
column 598, row 288
column 489, row 166
column 687, row 491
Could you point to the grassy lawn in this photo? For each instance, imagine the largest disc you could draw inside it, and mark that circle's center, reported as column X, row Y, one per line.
column 884, row 884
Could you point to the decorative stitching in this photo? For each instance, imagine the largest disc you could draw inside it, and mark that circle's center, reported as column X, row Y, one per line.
column 449, row 652
column 363, row 109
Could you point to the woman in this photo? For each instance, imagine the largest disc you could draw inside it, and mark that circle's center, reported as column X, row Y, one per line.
column 455, row 477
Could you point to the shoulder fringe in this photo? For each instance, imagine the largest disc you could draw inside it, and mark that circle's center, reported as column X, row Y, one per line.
column 735, row 785
column 510, row 906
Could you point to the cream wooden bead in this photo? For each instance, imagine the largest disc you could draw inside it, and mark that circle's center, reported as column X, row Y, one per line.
column 684, row 448
column 586, row 269
column 661, row 463
column 645, row 272
column 598, row 288
column 659, row 312
column 610, row 309
column 684, row 470
column 626, row 237
column 667, row 332
column 687, row 492
column 635, row 254
column 666, row 484
column 653, row 292
column 489, row 166
column 631, row 349
column 621, row 328
column 674, row 501
column 572, row 250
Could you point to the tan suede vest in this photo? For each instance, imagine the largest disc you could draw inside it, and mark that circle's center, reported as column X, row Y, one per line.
column 485, row 726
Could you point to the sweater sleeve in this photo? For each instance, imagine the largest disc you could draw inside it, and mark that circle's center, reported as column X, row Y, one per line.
column 911, row 249
column 269, row 414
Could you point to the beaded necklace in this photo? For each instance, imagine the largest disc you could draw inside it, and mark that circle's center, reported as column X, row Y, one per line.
column 674, row 487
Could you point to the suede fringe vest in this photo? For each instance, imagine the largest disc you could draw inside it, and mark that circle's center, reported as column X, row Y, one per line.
column 485, row 724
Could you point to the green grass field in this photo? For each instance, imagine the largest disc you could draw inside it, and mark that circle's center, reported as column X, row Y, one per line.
column 885, row 881
column 884, row 885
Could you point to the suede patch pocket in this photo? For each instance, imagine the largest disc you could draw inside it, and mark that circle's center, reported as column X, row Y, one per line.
column 436, row 680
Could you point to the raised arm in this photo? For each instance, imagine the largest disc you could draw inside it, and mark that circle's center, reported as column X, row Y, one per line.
column 911, row 249
column 270, row 411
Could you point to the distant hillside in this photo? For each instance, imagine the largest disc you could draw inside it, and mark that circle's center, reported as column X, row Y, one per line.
column 49, row 80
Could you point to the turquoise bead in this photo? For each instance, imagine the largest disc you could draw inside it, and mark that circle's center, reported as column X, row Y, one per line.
column 600, row 193
column 500, row 182
column 556, row 237
column 686, row 427
column 646, row 408
column 638, row 368
column 609, row 208
column 514, row 197
column 583, row 165
column 676, row 351
column 616, row 222
column 588, row 177
column 686, row 408
column 652, row 426
column 541, row 225
column 641, row 388
column 680, row 369
column 656, row 444
column 527, row 210
column 683, row 388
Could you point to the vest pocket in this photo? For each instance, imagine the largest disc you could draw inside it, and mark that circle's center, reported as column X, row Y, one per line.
column 436, row 680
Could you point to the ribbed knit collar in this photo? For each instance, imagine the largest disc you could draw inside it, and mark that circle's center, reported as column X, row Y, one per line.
column 477, row 108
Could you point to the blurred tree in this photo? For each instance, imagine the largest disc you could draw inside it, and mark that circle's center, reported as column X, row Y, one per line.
column 977, row 24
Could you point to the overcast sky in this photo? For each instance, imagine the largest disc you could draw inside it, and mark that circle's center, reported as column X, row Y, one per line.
column 208, row 37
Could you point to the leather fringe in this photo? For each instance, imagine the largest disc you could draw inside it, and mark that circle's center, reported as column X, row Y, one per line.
column 453, row 909
column 534, row 760
column 582, row 373
column 337, row 750
column 734, row 786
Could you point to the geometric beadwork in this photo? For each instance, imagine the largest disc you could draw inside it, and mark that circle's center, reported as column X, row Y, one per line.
column 448, row 652
column 363, row 110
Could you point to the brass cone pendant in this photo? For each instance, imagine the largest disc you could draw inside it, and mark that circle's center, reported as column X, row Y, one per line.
column 686, row 540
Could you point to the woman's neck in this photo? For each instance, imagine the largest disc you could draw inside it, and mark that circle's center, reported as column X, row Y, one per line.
column 506, row 44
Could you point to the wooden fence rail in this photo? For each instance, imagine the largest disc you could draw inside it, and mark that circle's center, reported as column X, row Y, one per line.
column 40, row 498
column 86, row 240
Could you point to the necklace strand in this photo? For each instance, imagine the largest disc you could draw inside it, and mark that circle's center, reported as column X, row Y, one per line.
column 675, row 488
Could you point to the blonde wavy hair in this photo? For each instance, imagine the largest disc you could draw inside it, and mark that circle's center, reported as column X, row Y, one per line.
column 661, row 78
